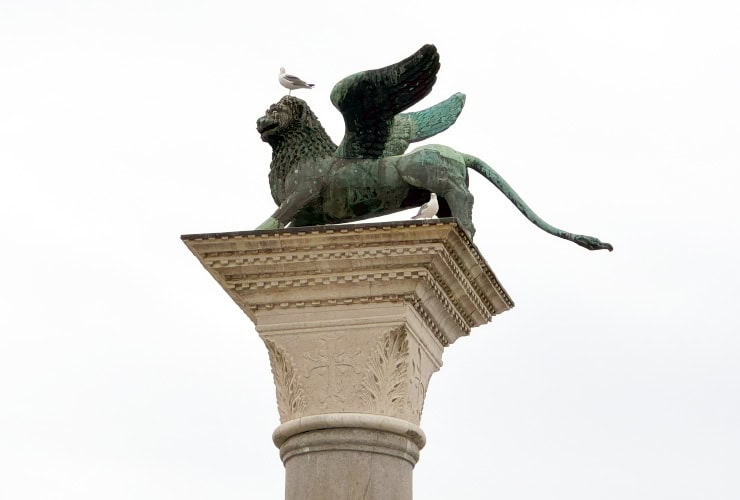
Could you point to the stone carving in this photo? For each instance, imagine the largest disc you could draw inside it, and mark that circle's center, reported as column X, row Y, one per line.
column 384, row 389
column 314, row 181
column 290, row 396
column 419, row 383
column 333, row 364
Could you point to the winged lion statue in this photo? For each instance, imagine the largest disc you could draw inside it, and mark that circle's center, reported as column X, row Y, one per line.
column 313, row 181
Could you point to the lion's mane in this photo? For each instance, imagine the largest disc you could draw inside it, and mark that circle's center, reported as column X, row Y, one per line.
column 298, row 137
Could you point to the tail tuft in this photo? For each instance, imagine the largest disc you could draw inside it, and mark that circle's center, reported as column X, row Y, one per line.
column 592, row 243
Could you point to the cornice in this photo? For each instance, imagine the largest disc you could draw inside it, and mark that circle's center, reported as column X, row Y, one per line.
column 351, row 264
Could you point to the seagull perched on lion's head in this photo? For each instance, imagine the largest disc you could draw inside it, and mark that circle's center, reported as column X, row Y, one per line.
column 292, row 82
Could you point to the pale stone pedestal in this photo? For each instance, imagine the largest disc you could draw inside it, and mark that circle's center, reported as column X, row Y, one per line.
column 355, row 319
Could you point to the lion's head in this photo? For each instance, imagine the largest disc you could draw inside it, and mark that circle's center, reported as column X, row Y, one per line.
column 288, row 117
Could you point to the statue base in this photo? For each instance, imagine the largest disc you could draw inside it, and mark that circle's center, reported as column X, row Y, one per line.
column 355, row 319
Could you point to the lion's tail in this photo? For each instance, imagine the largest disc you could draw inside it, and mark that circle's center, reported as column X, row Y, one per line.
column 486, row 171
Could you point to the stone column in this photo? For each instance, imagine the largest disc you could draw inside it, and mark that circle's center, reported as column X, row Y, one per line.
column 355, row 319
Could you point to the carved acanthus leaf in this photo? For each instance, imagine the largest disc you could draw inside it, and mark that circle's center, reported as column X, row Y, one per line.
column 384, row 388
column 290, row 398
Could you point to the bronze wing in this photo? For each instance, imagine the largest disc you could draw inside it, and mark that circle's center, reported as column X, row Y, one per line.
column 371, row 100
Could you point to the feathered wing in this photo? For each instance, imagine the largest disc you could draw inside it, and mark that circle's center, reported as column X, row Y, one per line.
column 370, row 100
column 294, row 80
column 420, row 125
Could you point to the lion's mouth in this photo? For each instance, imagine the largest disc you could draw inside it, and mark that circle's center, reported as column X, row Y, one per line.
column 265, row 126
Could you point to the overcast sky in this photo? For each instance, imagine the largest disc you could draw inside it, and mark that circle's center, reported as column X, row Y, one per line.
column 127, row 373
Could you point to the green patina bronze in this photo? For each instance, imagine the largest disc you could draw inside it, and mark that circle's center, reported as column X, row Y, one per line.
column 314, row 181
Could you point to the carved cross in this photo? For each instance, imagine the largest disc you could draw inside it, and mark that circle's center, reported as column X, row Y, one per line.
column 332, row 363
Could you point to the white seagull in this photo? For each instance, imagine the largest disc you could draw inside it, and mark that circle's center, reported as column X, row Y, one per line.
column 428, row 209
column 291, row 82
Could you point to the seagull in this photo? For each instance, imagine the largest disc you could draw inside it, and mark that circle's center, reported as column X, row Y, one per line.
column 291, row 82
column 428, row 209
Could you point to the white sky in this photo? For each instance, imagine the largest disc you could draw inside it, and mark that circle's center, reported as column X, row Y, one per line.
column 127, row 373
